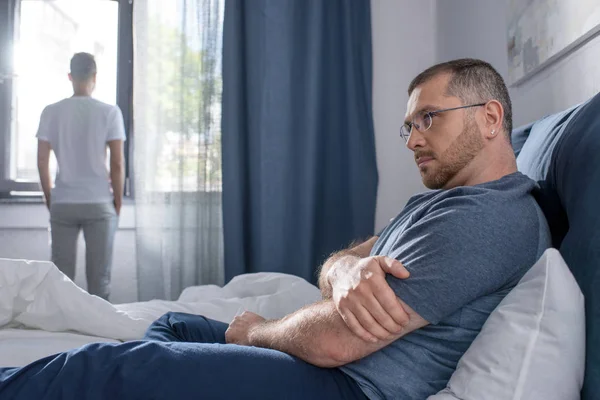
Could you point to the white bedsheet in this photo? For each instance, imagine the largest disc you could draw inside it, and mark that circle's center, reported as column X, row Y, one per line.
column 43, row 312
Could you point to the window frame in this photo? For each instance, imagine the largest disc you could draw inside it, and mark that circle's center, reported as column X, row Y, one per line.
column 8, row 18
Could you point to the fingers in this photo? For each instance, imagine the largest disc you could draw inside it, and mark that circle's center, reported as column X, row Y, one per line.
column 388, row 300
column 369, row 306
column 392, row 320
column 356, row 327
column 366, row 320
column 394, row 267
column 384, row 294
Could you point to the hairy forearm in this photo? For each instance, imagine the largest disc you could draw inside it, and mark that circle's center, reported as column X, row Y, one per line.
column 316, row 334
column 117, row 178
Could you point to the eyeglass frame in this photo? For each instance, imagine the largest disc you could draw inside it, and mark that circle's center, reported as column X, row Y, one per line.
column 431, row 114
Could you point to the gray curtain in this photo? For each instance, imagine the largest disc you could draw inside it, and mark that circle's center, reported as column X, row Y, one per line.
column 177, row 145
column 299, row 167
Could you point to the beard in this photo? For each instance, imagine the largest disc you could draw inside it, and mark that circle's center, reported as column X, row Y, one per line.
column 460, row 153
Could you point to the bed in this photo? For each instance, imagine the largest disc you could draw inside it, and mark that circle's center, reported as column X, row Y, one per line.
column 43, row 312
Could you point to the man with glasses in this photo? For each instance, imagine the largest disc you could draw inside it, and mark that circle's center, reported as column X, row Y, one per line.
column 398, row 310
column 466, row 244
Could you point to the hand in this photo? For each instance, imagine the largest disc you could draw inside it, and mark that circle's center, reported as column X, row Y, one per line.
column 366, row 302
column 241, row 327
column 117, row 207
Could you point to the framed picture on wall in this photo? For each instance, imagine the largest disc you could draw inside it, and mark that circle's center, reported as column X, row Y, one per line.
column 540, row 32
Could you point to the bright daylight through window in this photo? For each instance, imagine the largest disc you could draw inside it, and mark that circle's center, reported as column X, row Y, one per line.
column 47, row 34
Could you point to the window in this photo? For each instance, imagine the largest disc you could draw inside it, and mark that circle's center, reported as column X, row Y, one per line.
column 178, row 83
column 41, row 37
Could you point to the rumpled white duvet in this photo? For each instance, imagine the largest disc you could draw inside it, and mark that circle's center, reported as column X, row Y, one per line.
column 43, row 312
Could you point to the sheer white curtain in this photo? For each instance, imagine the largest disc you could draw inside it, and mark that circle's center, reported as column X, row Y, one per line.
column 177, row 145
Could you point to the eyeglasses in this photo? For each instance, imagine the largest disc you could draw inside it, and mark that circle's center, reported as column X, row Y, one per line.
column 423, row 120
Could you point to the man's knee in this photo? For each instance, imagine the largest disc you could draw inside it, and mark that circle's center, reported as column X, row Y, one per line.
column 165, row 319
column 183, row 327
column 175, row 321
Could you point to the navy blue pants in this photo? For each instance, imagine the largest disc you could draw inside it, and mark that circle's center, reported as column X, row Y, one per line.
column 182, row 357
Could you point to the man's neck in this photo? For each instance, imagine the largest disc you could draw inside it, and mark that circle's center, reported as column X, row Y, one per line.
column 484, row 168
column 82, row 89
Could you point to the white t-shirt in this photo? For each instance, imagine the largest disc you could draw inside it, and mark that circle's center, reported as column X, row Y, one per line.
column 78, row 129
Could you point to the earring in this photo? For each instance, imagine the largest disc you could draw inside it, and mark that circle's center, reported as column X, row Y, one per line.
column 493, row 132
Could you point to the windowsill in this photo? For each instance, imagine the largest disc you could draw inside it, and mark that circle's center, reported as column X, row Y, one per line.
column 21, row 200
column 40, row 200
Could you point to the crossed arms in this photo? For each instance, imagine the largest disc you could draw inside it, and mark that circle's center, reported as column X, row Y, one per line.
column 359, row 313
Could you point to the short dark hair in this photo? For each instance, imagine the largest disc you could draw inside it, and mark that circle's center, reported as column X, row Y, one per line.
column 472, row 81
column 83, row 66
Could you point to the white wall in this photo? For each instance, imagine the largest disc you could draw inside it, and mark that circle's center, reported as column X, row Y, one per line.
column 571, row 81
column 477, row 28
column 404, row 44
column 472, row 28
column 24, row 235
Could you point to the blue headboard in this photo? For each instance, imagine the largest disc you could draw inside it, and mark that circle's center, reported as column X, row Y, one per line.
column 562, row 153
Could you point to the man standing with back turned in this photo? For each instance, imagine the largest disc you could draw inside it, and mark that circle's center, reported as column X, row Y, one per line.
column 79, row 130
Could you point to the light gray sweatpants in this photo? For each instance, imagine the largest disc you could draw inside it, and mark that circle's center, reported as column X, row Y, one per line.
column 99, row 223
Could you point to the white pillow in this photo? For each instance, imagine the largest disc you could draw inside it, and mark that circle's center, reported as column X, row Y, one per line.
column 532, row 347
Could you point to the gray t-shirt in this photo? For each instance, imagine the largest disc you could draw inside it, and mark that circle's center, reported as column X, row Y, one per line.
column 465, row 248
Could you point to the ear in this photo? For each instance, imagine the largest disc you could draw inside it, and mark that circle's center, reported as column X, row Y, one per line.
column 70, row 77
column 493, row 118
